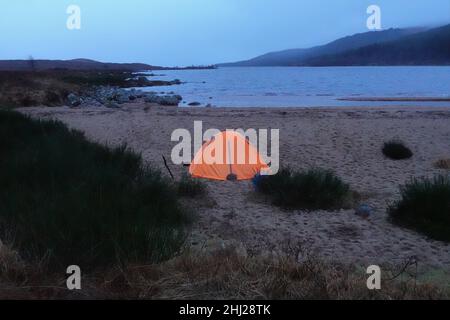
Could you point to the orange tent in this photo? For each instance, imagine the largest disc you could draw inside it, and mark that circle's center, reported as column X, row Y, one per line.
column 227, row 156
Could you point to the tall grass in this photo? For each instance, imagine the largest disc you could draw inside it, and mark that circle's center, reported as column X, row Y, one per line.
column 72, row 201
column 425, row 207
column 311, row 190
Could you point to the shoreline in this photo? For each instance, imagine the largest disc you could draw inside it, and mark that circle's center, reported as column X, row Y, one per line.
column 321, row 108
column 394, row 99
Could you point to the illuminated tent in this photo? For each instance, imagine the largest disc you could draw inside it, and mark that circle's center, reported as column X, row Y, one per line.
column 227, row 156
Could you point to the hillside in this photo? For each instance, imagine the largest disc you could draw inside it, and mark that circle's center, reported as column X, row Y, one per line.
column 393, row 46
column 425, row 48
column 76, row 64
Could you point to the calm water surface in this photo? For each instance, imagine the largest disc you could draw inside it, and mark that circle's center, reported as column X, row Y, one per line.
column 307, row 87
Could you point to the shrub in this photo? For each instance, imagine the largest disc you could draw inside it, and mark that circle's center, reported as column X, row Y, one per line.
column 189, row 187
column 425, row 207
column 313, row 189
column 396, row 150
column 77, row 202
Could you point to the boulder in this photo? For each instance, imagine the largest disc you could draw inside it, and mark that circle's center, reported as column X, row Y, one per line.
column 122, row 99
column 121, row 96
column 92, row 102
column 166, row 100
column 169, row 100
column 74, row 100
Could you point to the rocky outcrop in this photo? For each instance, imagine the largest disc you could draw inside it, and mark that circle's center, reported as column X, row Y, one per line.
column 113, row 97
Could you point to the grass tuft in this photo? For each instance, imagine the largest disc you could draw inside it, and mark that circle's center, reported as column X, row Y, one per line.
column 314, row 189
column 425, row 207
column 396, row 150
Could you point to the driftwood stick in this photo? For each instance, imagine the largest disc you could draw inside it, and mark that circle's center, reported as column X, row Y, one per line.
column 167, row 167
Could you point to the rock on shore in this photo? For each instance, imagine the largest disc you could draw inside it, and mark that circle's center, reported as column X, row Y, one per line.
column 113, row 97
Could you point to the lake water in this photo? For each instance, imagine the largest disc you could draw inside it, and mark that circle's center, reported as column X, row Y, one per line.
column 307, row 87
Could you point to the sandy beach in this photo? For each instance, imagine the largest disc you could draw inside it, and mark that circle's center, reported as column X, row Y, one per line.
column 345, row 140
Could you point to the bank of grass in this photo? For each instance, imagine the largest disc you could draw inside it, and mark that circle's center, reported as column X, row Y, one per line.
column 26, row 88
column 65, row 200
column 425, row 206
column 51, row 87
column 313, row 189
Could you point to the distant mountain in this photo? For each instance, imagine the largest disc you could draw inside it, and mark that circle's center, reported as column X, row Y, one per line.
column 347, row 51
column 76, row 64
column 431, row 47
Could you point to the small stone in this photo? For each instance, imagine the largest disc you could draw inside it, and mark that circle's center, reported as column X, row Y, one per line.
column 364, row 211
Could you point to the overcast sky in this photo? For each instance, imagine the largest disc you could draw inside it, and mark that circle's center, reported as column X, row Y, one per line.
column 186, row 32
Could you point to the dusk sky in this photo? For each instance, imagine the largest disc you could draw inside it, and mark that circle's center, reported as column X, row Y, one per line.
column 194, row 32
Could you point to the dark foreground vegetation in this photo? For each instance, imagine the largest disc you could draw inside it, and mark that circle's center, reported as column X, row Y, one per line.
column 52, row 87
column 64, row 200
column 425, row 206
column 314, row 189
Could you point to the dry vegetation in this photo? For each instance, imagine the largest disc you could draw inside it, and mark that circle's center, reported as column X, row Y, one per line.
column 218, row 275
column 51, row 87
column 443, row 164
column 28, row 88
